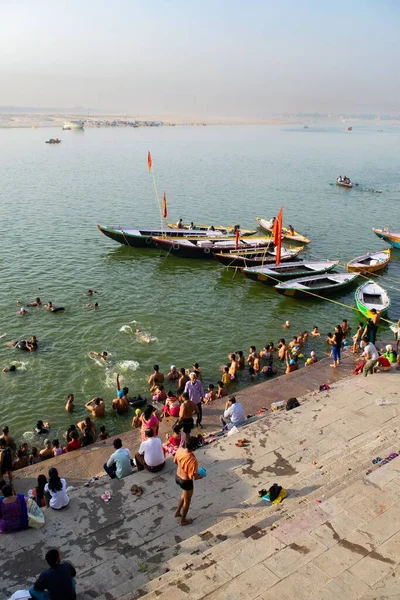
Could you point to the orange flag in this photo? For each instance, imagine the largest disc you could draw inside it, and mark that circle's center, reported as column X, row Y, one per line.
column 149, row 161
column 164, row 206
column 237, row 238
column 277, row 231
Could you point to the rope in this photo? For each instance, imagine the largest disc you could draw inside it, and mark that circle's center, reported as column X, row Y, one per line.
column 122, row 231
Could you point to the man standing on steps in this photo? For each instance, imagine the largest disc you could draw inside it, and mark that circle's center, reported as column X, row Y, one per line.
column 187, row 471
column 372, row 356
column 194, row 388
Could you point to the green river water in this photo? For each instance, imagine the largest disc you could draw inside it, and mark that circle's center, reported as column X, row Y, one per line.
column 52, row 197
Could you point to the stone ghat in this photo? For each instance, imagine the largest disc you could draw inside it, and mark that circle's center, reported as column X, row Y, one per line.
column 79, row 466
column 336, row 535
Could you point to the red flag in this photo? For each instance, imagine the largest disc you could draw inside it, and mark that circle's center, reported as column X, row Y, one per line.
column 237, row 238
column 277, row 231
column 164, row 206
column 149, row 161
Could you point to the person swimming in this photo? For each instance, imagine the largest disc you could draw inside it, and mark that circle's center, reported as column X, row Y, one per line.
column 10, row 369
column 102, row 355
column 51, row 308
column 95, row 305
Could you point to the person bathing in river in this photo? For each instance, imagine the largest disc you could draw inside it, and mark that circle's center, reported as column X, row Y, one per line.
column 87, row 423
column 233, row 368
column 96, row 406
column 69, row 407
column 102, row 355
column 36, row 302
column 315, row 332
column 282, row 349
column 156, row 375
column 173, row 374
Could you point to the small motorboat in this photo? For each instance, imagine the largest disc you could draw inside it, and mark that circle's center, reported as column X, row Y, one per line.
column 320, row 285
column 371, row 295
column 240, row 259
column 53, row 141
column 223, row 229
column 391, row 237
column 344, row 182
column 288, row 233
column 369, row 263
column 272, row 274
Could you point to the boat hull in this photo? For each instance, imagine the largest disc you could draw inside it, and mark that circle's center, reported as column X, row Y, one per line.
column 380, row 301
column 128, row 239
column 345, row 185
column 297, row 271
column 390, row 238
column 321, row 288
column 357, row 267
column 256, row 259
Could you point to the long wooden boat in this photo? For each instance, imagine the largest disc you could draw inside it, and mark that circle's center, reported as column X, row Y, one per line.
column 272, row 274
column 240, row 259
column 371, row 295
column 370, row 262
column 206, row 248
column 321, row 285
column 295, row 237
column 391, row 237
column 143, row 237
column 224, row 229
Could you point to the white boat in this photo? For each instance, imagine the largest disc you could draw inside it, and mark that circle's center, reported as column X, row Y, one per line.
column 73, row 125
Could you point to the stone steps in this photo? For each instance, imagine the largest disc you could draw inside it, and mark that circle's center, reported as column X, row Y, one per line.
column 238, row 534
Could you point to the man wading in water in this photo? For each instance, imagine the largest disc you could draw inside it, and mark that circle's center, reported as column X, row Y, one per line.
column 186, row 473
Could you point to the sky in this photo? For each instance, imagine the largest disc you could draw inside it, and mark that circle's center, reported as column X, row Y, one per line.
column 233, row 58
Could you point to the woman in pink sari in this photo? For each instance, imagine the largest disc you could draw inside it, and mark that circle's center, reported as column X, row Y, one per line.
column 149, row 421
column 13, row 511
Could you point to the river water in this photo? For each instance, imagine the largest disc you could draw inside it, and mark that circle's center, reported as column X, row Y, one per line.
column 53, row 196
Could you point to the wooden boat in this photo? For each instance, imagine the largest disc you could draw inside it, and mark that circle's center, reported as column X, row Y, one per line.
column 143, row 237
column 344, row 184
column 239, row 259
column 296, row 237
column 391, row 237
column 271, row 274
column 224, row 229
column 369, row 263
column 371, row 295
column 321, row 285
column 207, row 247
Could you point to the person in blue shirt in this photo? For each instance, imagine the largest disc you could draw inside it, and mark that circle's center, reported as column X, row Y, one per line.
column 57, row 582
column 119, row 464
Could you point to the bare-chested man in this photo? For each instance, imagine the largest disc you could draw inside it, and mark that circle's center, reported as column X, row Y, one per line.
column 96, row 406
column 69, row 407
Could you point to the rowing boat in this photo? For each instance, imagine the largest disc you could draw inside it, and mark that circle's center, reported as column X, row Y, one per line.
column 391, row 237
column 224, row 229
column 142, row 237
column 344, row 184
column 271, row 274
column 309, row 287
column 369, row 263
column 371, row 295
column 240, row 259
column 207, row 247
column 296, row 237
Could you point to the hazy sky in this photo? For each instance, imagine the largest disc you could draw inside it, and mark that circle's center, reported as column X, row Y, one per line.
column 203, row 57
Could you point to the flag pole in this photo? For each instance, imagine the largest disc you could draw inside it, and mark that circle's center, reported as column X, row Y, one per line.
column 150, row 167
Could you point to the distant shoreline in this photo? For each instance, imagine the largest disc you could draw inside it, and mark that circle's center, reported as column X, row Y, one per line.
column 36, row 120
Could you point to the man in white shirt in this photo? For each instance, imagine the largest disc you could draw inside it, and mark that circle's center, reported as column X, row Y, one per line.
column 372, row 356
column 119, row 463
column 234, row 414
column 150, row 455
